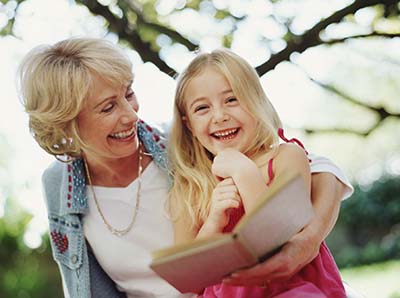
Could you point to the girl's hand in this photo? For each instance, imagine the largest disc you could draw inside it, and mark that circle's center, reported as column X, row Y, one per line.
column 231, row 163
column 224, row 197
column 246, row 175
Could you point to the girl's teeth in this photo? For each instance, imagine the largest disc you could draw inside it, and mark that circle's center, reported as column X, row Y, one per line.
column 225, row 133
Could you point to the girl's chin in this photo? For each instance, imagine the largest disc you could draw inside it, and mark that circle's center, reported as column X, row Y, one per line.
column 225, row 144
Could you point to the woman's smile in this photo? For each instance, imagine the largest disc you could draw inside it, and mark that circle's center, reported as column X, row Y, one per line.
column 124, row 135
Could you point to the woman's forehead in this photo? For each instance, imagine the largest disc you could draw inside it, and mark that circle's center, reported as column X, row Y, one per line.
column 101, row 90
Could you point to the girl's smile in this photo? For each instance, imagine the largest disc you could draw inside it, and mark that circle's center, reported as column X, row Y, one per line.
column 226, row 135
column 215, row 116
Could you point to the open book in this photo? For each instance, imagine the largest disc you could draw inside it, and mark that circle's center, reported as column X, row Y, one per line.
column 280, row 213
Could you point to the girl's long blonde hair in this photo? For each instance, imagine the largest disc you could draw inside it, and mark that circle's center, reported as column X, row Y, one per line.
column 191, row 163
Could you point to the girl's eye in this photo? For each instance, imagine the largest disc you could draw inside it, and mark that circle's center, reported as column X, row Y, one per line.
column 232, row 99
column 108, row 108
column 200, row 108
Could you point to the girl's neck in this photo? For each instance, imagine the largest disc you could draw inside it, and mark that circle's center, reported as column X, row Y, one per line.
column 262, row 157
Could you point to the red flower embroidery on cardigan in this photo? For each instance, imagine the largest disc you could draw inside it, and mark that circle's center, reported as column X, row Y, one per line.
column 149, row 128
column 60, row 241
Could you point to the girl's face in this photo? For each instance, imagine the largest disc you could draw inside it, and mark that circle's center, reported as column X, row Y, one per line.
column 107, row 122
column 215, row 116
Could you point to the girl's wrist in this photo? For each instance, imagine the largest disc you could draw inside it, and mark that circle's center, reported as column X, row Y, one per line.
column 208, row 229
column 246, row 173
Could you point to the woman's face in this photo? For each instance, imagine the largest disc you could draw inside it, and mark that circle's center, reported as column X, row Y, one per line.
column 107, row 122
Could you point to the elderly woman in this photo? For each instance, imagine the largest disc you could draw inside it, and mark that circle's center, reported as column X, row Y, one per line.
column 106, row 192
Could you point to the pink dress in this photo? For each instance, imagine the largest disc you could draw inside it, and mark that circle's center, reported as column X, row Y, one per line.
column 318, row 279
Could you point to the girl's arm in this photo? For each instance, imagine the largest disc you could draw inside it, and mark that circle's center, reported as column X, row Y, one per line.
column 327, row 192
column 291, row 158
column 247, row 177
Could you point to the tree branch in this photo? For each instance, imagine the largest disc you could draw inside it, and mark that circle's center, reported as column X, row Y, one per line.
column 372, row 34
column 124, row 30
column 174, row 35
column 311, row 37
column 382, row 113
column 343, row 131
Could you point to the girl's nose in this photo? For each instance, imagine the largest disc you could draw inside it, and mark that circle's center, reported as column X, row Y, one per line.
column 220, row 115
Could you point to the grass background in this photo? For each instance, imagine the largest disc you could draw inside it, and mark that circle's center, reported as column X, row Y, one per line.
column 375, row 281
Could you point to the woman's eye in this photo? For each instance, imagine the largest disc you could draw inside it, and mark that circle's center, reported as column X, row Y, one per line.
column 130, row 94
column 108, row 108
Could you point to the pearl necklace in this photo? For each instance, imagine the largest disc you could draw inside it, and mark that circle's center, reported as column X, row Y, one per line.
column 113, row 230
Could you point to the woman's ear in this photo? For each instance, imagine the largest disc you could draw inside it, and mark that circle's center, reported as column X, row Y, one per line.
column 186, row 122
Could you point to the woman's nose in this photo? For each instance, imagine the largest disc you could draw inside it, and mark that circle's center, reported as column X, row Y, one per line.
column 129, row 114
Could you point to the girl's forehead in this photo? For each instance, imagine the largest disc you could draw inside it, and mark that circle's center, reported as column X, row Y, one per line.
column 210, row 77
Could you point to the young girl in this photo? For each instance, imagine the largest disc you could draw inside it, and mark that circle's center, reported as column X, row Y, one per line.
column 224, row 149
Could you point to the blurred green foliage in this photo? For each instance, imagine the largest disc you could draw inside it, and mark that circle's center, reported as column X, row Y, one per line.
column 368, row 229
column 25, row 272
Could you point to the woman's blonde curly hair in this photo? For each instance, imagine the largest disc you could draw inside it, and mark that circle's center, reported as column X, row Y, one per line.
column 54, row 81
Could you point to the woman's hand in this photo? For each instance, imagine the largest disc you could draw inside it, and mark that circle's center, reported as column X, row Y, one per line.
column 293, row 256
column 225, row 196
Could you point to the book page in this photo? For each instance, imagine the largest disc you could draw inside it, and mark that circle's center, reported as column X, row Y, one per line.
column 283, row 211
column 203, row 265
column 183, row 248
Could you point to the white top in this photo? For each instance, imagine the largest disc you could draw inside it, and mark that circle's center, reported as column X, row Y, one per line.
column 126, row 258
column 322, row 164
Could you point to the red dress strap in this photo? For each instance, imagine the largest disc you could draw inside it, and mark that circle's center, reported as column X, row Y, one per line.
column 270, row 171
column 292, row 140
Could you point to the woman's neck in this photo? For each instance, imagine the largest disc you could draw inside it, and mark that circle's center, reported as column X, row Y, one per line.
column 115, row 172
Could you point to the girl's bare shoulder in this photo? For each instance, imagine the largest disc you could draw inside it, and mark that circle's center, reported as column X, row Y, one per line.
column 290, row 156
